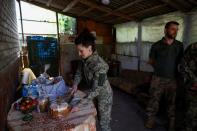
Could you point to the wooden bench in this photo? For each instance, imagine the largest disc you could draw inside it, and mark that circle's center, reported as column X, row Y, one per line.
column 131, row 80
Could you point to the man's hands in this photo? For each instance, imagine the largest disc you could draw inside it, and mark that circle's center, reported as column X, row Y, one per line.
column 151, row 62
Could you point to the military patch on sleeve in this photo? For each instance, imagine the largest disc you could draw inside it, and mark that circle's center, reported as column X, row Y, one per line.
column 101, row 80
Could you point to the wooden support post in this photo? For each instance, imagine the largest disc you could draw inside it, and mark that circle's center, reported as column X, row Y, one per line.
column 21, row 20
column 139, row 42
column 187, row 29
column 59, row 49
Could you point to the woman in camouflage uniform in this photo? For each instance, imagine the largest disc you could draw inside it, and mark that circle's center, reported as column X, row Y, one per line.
column 93, row 69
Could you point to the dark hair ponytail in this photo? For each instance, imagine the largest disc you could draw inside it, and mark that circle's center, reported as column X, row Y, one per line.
column 86, row 38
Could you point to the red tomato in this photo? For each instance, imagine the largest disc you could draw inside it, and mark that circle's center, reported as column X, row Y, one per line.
column 31, row 103
column 28, row 106
column 35, row 102
column 22, row 108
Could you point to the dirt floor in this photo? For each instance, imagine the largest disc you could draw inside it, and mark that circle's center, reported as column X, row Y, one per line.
column 127, row 115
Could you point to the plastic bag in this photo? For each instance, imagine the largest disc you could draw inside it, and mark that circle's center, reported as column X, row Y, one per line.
column 57, row 88
column 30, row 90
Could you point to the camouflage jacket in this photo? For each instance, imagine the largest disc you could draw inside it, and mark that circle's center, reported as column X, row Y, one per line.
column 188, row 65
column 94, row 70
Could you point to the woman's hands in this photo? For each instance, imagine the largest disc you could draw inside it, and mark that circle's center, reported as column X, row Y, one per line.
column 74, row 89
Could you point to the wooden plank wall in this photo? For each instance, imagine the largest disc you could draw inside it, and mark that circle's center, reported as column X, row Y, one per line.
column 9, row 58
column 102, row 30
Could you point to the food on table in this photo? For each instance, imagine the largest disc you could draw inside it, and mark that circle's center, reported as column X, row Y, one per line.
column 26, row 105
column 59, row 110
column 43, row 103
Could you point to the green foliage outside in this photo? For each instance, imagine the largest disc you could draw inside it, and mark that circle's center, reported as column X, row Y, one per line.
column 67, row 25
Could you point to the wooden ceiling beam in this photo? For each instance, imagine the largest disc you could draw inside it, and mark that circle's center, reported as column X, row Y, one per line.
column 25, row 0
column 86, row 11
column 116, row 21
column 57, row 9
column 104, row 9
column 112, row 20
column 129, row 5
column 49, row 3
column 134, row 15
column 193, row 2
column 148, row 10
column 176, row 5
column 120, row 8
column 185, row 4
column 70, row 5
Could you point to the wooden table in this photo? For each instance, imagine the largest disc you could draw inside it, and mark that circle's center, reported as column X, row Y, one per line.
column 81, row 118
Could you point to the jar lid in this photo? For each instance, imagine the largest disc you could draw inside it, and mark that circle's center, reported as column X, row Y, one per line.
column 43, row 99
column 59, row 106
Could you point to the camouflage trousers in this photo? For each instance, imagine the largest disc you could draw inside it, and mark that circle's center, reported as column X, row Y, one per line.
column 162, row 87
column 191, row 115
column 104, row 110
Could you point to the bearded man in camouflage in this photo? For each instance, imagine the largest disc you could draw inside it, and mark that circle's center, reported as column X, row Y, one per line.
column 164, row 57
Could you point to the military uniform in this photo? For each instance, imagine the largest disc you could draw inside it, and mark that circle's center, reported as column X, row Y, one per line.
column 163, row 84
column 188, row 68
column 94, row 71
column 162, row 87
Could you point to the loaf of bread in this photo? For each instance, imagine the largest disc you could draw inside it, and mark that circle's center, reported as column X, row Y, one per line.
column 59, row 110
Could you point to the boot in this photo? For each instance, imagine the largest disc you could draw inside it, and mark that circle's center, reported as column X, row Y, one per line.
column 171, row 126
column 150, row 123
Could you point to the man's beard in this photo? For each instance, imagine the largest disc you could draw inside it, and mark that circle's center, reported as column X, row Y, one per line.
column 170, row 36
